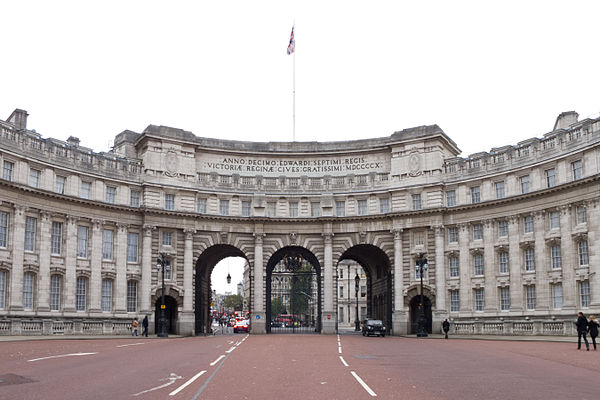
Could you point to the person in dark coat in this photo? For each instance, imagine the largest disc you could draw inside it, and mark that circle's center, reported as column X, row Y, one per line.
column 446, row 327
column 582, row 328
column 145, row 326
column 593, row 329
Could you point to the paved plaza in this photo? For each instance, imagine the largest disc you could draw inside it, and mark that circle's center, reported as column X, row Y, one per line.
column 346, row 366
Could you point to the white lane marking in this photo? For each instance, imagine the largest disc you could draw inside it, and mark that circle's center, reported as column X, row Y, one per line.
column 230, row 350
column 192, row 379
column 340, row 349
column 343, row 361
column 230, row 342
column 61, row 356
column 171, row 379
column 132, row 344
column 364, row 385
column 212, row 364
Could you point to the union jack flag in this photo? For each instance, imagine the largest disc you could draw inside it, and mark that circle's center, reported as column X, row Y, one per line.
column 292, row 44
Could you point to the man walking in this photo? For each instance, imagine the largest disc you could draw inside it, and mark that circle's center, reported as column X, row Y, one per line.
column 582, row 327
column 446, row 327
column 145, row 326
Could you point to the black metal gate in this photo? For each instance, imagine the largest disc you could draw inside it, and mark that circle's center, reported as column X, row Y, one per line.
column 294, row 296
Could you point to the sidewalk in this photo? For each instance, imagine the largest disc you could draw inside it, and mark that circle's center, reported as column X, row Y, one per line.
column 80, row 337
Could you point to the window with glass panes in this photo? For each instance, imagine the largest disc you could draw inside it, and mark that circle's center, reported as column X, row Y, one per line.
column 201, row 206
column 582, row 250
column 55, row 281
column 478, row 264
column 110, row 194
column 555, row 256
column 169, row 201
column 28, row 283
column 131, row 296
column 477, row 232
column 453, row 235
column 3, row 229
column 59, row 186
column 341, row 315
column 362, row 207
column 528, row 224
column 80, row 294
column 505, row 298
column 525, row 184
column 107, row 289
column 34, row 178
column 584, row 293
column 550, row 177
column 271, row 209
column 454, row 301
column 293, row 209
column 451, row 198
column 82, row 241
column 107, row 244
column 554, row 219
column 500, row 194
column 416, row 200
column 503, row 262
column 2, row 289
column 167, row 238
column 479, row 299
column 315, row 209
column 475, row 194
column 246, row 208
column 56, row 238
column 453, row 264
column 577, row 168
column 530, row 296
column 580, row 214
column 30, row 228
column 86, row 190
column 7, row 170
column 557, row 296
column 384, row 205
column 134, row 198
column 502, row 228
column 224, row 207
column 132, row 247
column 340, row 208
column 529, row 259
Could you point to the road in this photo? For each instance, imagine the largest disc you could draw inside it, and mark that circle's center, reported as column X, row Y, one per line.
column 296, row 367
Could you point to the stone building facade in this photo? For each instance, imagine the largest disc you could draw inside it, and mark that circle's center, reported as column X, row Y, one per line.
column 511, row 235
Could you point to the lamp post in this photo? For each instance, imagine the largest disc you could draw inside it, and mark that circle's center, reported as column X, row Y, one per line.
column 421, row 322
column 162, row 320
column 356, row 283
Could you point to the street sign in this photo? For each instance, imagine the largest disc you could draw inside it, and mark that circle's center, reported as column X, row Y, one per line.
column 258, row 317
column 162, row 306
column 328, row 316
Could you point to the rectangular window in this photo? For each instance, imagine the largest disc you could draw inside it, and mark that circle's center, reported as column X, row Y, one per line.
column 454, row 270
column 28, row 282
column 384, row 205
column 110, row 194
column 294, row 209
column 531, row 298
column 581, row 215
column 554, row 220
column 477, row 232
column 478, row 264
column 479, row 299
column 132, row 247
column 107, row 244
column 201, row 206
column 86, row 190
column 167, row 238
column 224, row 207
column 529, row 259
column 30, row 228
column 271, row 209
column 557, row 296
column 550, row 177
column 577, row 169
column 475, row 194
column 7, row 170
column 340, row 208
column 362, row 207
column 107, row 286
column 169, row 201
column 525, row 184
column 528, row 224
column 341, row 291
column 416, row 201
column 451, row 198
column 246, row 208
column 59, row 186
column 80, row 300
column 3, row 229
column 555, row 257
column 2, row 289
column 55, row 292
column 34, row 178
column 505, row 298
column 315, row 209
column 82, row 241
column 503, row 262
column 134, row 198
column 56, row 238
column 454, row 301
column 584, row 290
column 131, row 296
column 582, row 249
column 453, row 235
column 341, row 315
column 502, row 228
column 500, row 190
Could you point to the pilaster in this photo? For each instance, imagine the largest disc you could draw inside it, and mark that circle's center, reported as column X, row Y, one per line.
column 440, row 271
column 328, row 325
column 16, row 281
column 120, row 295
column 489, row 271
column 146, row 279
column 70, row 264
column 44, row 276
column 258, row 312
column 96, row 267
column 188, row 267
column 515, row 262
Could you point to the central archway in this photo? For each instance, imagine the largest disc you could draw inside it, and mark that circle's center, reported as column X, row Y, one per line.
column 293, row 292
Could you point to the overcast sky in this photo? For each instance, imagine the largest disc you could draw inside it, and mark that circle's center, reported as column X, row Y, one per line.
column 488, row 73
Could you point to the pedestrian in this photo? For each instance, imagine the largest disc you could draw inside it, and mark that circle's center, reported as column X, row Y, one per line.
column 582, row 327
column 145, row 326
column 446, row 327
column 593, row 329
column 134, row 327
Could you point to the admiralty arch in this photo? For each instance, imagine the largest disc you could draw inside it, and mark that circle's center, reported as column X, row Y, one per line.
column 510, row 234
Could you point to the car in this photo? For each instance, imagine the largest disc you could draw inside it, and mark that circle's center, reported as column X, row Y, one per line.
column 241, row 326
column 373, row 327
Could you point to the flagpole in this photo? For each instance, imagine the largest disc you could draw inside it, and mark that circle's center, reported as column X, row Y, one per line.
column 294, row 100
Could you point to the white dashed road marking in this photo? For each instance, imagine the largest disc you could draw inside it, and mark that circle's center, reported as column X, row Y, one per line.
column 343, row 361
column 61, row 356
column 212, row 364
column 364, row 385
column 192, row 379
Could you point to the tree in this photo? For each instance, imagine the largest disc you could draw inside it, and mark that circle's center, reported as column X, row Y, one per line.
column 301, row 290
column 277, row 307
column 234, row 301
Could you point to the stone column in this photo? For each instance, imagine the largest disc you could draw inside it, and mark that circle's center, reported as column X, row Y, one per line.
column 44, row 275
column 542, row 267
column 187, row 318
column 593, row 225
column 96, row 267
column 329, row 315
column 399, row 316
column 120, row 294
column 258, row 312
column 515, row 264
column 146, row 269
column 465, row 293
column 18, row 245
column 440, row 272
column 489, row 267
column 71, row 264
column 567, row 251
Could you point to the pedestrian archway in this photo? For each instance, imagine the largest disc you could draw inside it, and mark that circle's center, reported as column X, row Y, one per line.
column 414, row 313
column 170, row 314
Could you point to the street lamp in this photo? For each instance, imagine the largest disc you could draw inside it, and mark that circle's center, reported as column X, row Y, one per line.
column 356, row 283
column 421, row 322
column 162, row 321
